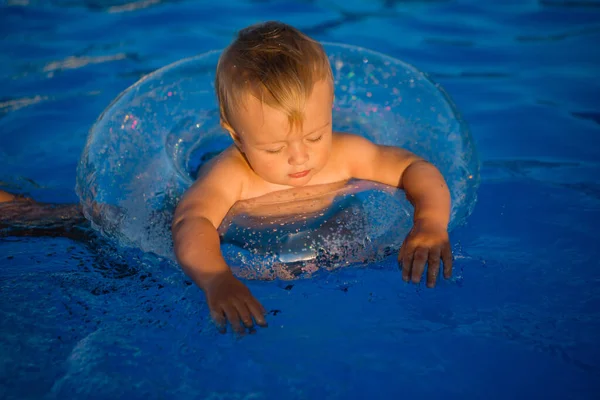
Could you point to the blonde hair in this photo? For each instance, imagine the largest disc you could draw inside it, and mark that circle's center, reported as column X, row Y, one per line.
column 274, row 62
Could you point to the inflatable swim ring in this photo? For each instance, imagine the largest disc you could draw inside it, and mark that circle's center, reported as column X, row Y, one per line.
column 144, row 150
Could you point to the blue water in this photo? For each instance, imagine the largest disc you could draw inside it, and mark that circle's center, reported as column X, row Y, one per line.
column 521, row 320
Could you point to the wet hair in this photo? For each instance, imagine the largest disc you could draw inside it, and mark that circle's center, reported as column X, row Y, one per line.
column 274, row 62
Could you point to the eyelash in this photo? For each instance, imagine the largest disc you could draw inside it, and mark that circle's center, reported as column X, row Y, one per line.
column 279, row 150
column 274, row 151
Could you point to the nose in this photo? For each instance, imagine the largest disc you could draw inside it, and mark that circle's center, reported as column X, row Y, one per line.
column 298, row 154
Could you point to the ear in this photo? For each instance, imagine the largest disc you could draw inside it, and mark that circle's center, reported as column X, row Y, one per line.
column 236, row 140
column 234, row 136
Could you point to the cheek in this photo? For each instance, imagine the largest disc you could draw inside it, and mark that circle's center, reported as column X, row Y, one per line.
column 262, row 163
column 324, row 151
column 269, row 165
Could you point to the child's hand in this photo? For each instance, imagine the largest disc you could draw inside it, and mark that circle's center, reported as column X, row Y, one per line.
column 229, row 299
column 427, row 242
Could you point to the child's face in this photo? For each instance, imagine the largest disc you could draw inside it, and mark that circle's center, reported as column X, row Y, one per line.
column 282, row 155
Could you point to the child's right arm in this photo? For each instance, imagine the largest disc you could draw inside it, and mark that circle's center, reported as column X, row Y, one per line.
column 197, row 246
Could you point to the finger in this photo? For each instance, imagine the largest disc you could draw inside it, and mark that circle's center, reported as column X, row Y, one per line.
column 447, row 259
column 401, row 253
column 233, row 318
column 407, row 261
column 218, row 318
column 243, row 312
column 257, row 311
column 419, row 260
column 433, row 266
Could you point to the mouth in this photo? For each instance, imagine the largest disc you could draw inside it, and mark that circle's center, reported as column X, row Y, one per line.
column 299, row 174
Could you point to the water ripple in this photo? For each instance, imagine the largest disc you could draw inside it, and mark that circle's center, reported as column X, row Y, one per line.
column 16, row 104
column 133, row 6
column 78, row 62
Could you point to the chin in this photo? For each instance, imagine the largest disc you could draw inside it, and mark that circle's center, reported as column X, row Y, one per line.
column 298, row 182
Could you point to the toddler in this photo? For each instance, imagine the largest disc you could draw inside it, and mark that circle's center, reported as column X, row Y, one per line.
column 275, row 91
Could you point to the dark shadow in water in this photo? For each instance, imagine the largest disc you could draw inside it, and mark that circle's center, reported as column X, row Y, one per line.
column 589, row 30
column 346, row 17
column 448, row 42
column 521, row 166
column 323, row 27
column 570, row 3
column 587, row 188
column 591, row 116
column 395, row 3
column 26, row 218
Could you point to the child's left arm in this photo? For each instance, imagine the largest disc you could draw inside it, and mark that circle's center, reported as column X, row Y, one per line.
column 425, row 188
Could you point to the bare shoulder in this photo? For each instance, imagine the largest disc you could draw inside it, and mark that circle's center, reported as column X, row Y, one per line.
column 229, row 165
column 219, row 185
column 353, row 153
column 350, row 141
column 367, row 160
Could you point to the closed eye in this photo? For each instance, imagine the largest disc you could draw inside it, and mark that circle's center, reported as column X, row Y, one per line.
column 274, row 151
column 315, row 139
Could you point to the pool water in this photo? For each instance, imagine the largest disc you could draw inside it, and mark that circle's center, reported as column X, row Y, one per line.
column 520, row 319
